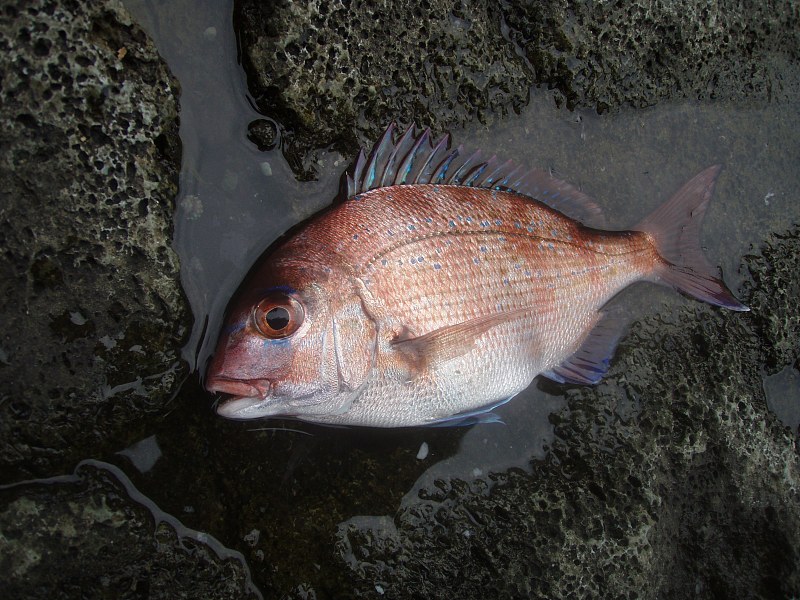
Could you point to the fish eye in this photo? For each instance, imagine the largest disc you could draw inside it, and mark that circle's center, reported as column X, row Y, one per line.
column 278, row 316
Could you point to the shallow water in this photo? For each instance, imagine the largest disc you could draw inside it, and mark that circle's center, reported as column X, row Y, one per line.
column 241, row 481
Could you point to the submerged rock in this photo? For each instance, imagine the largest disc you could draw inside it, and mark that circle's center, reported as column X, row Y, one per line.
column 327, row 73
column 91, row 535
column 92, row 310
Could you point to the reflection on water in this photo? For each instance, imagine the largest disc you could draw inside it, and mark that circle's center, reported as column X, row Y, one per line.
column 783, row 396
column 235, row 200
column 143, row 454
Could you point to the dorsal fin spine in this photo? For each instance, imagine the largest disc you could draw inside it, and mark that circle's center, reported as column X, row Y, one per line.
column 390, row 170
column 354, row 181
column 463, row 169
column 475, row 173
column 407, row 166
column 377, row 152
column 489, row 180
column 442, row 144
column 415, row 159
column 439, row 174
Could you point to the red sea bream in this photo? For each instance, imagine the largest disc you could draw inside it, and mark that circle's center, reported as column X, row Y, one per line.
column 441, row 286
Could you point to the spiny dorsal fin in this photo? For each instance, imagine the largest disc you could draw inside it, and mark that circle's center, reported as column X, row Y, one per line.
column 415, row 158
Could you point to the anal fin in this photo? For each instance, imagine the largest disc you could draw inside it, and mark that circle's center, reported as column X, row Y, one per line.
column 477, row 416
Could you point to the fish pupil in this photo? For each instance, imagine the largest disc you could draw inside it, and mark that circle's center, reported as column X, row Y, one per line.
column 278, row 318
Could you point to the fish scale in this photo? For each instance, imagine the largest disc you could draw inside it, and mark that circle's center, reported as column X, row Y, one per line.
column 440, row 287
column 470, row 254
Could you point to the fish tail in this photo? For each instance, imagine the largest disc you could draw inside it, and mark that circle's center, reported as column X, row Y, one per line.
column 675, row 230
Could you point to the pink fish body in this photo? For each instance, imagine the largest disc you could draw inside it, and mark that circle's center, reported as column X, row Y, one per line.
column 440, row 288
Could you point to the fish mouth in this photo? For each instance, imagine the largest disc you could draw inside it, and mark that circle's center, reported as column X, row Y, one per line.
column 250, row 388
column 245, row 398
column 244, row 408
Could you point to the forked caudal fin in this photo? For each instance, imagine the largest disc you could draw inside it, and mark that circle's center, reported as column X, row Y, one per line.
column 675, row 229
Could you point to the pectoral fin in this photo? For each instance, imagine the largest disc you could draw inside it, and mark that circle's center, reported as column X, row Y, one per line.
column 452, row 341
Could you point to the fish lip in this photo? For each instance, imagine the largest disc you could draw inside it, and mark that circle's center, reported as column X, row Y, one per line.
column 243, row 398
column 242, row 388
column 241, row 407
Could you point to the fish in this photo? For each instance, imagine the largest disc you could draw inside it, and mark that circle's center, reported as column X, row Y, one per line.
column 439, row 285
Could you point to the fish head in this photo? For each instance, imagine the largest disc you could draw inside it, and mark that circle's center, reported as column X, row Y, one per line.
column 294, row 343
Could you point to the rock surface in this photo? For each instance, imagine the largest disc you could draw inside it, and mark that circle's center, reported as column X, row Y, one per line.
column 90, row 300
column 85, row 536
column 326, row 71
column 322, row 68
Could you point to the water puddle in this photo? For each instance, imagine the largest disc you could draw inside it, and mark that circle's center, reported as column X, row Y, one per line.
column 293, row 490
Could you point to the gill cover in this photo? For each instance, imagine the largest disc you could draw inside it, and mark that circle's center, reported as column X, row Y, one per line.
column 355, row 340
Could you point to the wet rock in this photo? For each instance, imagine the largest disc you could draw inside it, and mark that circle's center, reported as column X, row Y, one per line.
column 263, row 133
column 107, row 541
column 605, row 55
column 90, row 300
column 327, row 72
column 325, row 69
column 671, row 479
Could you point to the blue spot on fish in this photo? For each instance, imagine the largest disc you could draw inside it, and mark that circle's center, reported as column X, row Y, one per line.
column 452, row 223
column 284, row 289
column 412, row 228
column 384, row 262
column 230, row 329
column 483, row 248
column 413, row 261
column 484, row 223
column 278, row 342
column 498, row 222
column 437, row 266
column 476, row 260
column 355, row 236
